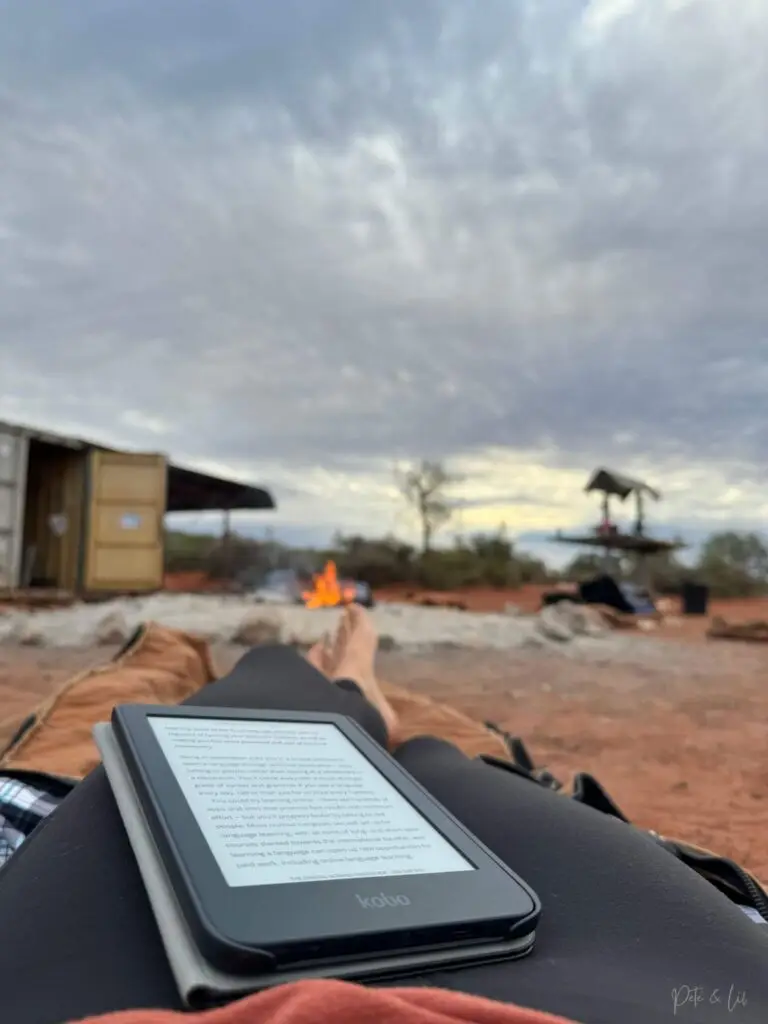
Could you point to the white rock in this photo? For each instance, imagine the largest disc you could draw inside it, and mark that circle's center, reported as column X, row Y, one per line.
column 112, row 629
column 29, row 636
column 218, row 618
column 258, row 628
column 567, row 619
column 583, row 620
column 553, row 623
column 534, row 642
column 10, row 628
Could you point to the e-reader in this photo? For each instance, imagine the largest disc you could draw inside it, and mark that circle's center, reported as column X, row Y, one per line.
column 290, row 844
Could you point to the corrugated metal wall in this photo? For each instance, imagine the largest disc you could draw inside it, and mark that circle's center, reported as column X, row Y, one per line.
column 13, row 471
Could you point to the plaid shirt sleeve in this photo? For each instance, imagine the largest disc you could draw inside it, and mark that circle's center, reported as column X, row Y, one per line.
column 22, row 808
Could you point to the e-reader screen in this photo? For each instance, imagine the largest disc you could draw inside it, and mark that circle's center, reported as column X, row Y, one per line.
column 281, row 802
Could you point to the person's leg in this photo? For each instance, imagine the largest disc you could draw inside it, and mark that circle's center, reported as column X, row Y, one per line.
column 79, row 935
column 624, row 924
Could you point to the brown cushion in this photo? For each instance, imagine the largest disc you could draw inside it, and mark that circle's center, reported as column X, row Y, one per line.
column 423, row 716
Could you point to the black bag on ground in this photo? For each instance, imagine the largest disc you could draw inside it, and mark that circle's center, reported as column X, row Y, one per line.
column 605, row 590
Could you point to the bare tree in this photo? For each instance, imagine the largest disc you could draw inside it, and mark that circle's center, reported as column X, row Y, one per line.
column 424, row 487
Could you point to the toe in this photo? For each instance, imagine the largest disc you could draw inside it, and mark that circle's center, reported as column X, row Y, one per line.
column 316, row 656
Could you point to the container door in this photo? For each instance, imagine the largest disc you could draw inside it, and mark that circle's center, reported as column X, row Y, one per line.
column 14, row 447
column 124, row 539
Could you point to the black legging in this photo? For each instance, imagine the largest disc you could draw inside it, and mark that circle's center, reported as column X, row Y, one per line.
column 624, row 924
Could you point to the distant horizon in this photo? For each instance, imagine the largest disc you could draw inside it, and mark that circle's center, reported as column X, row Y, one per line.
column 536, row 543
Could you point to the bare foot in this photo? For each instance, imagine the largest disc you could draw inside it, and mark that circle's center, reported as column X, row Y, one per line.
column 320, row 656
column 354, row 656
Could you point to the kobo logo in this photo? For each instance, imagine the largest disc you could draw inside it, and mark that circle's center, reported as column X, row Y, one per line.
column 376, row 902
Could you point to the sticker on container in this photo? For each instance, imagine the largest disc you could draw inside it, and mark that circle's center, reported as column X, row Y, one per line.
column 130, row 521
column 58, row 524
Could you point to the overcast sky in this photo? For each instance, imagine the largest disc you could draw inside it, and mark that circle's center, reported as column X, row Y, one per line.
column 299, row 241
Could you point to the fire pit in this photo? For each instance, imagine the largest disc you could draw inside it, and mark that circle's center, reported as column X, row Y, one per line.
column 328, row 591
column 321, row 590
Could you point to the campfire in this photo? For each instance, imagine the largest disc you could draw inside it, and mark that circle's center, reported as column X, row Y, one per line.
column 328, row 591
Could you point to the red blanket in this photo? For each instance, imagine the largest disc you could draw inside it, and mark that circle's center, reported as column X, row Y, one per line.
column 337, row 1002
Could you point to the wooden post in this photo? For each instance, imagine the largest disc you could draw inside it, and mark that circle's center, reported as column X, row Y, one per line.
column 608, row 561
column 226, row 544
column 640, row 516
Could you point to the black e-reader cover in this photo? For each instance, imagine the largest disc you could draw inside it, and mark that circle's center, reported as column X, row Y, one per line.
column 276, row 846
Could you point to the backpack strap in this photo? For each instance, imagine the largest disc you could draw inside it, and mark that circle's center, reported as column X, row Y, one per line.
column 521, row 762
column 587, row 790
column 734, row 881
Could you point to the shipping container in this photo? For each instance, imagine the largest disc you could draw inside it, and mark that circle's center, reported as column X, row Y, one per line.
column 77, row 518
column 87, row 520
column 13, row 473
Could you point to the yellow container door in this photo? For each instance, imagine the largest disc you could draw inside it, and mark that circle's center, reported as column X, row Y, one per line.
column 124, row 542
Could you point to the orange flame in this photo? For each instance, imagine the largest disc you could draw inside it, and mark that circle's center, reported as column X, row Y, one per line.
column 326, row 590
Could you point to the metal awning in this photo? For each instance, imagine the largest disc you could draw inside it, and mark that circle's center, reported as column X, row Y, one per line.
column 192, row 491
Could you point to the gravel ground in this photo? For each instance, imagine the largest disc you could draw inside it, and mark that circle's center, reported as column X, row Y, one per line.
column 678, row 738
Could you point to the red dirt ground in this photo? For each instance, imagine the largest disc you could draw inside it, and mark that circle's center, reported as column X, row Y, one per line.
column 681, row 748
column 682, row 752
column 476, row 599
column 193, row 582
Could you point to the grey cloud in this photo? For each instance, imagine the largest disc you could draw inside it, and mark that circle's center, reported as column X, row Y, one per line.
column 206, row 53
column 505, row 500
column 335, row 233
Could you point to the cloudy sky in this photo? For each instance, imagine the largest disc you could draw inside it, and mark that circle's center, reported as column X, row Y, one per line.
column 301, row 241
